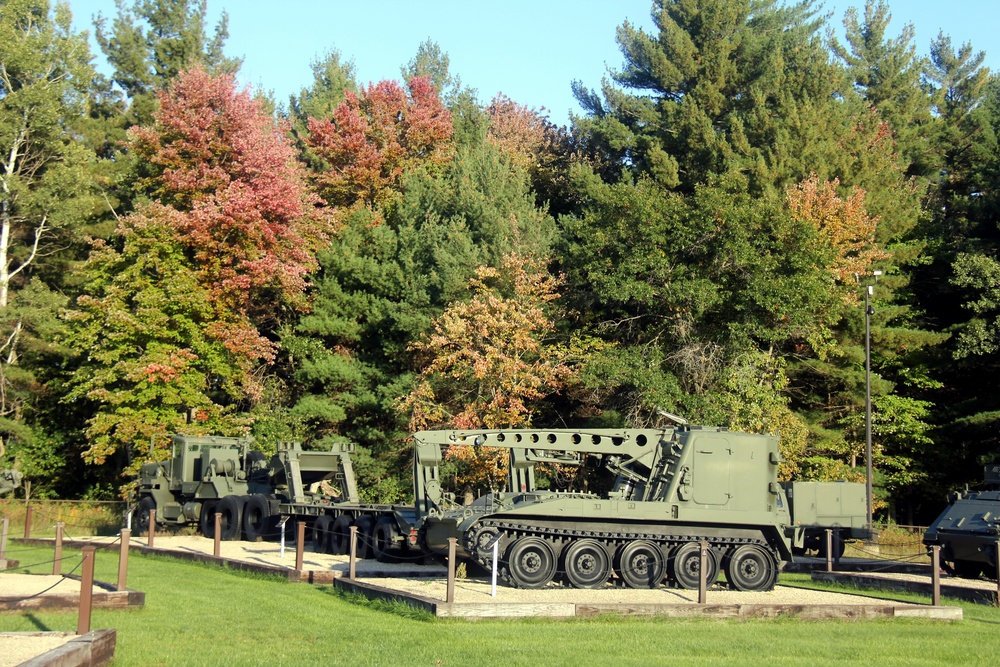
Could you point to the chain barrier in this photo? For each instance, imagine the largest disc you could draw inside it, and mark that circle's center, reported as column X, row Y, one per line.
column 43, row 592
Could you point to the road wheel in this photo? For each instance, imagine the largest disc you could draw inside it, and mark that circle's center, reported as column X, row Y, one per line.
column 141, row 515
column 386, row 540
column 640, row 564
column 321, row 533
column 231, row 509
column 206, row 520
column 366, row 537
column 257, row 521
column 587, row 564
column 340, row 537
column 530, row 562
column 685, row 567
column 751, row 568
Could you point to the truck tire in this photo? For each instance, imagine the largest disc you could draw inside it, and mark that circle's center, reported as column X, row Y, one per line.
column 141, row 515
column 231, row 509
column 257, row 522
column 386, row 540
column 321, row 533
column 366, row 535
column 340, row 535
column 206, row 520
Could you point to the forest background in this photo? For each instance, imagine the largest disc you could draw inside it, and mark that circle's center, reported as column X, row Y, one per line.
column 178, row 254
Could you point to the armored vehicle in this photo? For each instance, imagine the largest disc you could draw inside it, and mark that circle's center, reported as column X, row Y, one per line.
column 968, row 531
column 672, row 489
column 209, row 475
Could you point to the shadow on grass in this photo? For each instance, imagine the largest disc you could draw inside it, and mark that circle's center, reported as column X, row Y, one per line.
column 35, row 621
column 395, row 607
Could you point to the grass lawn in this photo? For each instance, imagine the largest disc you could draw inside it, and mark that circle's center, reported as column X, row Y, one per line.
column 202, row 615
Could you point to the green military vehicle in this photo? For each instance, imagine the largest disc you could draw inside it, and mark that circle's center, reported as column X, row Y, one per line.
column 673, row 488
column 253, row 493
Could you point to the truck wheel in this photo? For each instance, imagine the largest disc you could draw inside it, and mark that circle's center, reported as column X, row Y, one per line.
column 530, row 562
column 387, row 539
column 587, row 564
column 321, row 534
column 968, row 569
column 366, row 536
column 206, row 520
column 751, row 568
column 142, row 514
column 257, row 523
column 640, row 564
column 231, row 509
column 686, row 566
column 340, row 535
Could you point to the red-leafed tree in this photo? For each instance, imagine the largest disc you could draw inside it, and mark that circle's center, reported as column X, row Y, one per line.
column 374, row 137
column 179, row 314
column 228, row 175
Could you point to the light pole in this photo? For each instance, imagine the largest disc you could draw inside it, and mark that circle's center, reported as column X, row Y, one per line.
column 869, row 311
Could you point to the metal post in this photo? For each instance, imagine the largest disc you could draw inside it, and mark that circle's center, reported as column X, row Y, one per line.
column 829, row 550
column 217, row 549
column 152, row 528
column 57, row 558
column 869, row 311
column 703, row 574
column 86, row 591
column 300, row 545
column 3, row 538
column 493, row 575
column 354, row 551
column 936, row 575
column 123, row 559
column 450, row 591
column 27, row 521
column 997, row 573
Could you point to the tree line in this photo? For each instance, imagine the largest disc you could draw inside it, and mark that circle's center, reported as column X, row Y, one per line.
column 179, row 254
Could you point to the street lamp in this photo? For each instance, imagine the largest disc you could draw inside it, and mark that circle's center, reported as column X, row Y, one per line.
column 869, row 311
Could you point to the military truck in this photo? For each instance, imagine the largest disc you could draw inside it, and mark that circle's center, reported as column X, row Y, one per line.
column 672, row 489
column 207, row 475
column 968, row 530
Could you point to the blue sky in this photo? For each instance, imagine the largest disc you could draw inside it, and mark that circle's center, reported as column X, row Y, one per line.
column 529, row 50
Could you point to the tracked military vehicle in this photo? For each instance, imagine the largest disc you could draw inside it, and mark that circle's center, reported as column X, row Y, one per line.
column 968, row 530
column 672, row 488
column 209, row 475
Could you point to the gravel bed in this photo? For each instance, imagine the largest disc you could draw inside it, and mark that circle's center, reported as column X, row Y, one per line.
column 16, row 648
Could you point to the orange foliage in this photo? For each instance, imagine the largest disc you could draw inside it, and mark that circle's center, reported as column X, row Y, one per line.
column 844, row 224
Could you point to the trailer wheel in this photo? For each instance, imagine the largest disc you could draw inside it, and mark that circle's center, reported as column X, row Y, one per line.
column 231, row 509
column 386, row 540
column 686, row 566
column 587, row 564
column 257, row 518
column 839, row 546
column 206, row 520
column 141, row 522
column 340, row 535
column 751, row 568
column 530, row 562
column 321, row 534
column 640, row 564
column 366, row 536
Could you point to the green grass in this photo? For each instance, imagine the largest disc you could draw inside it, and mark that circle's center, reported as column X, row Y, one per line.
column 202, row 615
